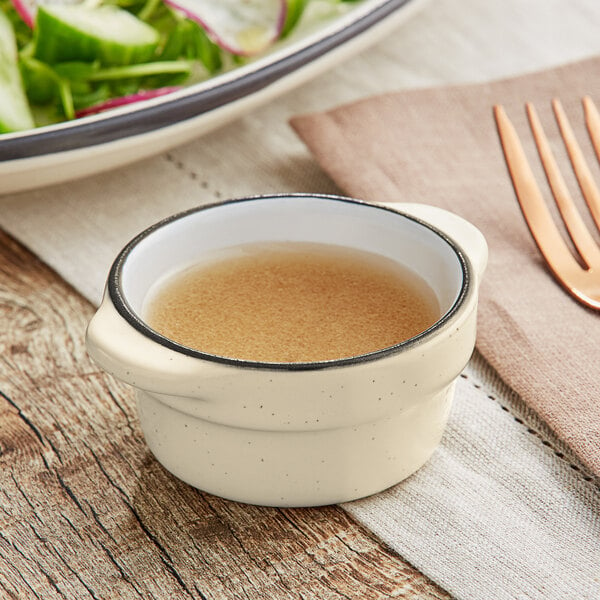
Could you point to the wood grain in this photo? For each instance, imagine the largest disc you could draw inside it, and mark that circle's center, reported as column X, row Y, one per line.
column 86, row 511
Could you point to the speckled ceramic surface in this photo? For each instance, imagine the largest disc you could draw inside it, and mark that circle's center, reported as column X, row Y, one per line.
column 294, row 434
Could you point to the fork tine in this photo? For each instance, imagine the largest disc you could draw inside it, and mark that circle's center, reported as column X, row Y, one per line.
column 592, row 120
column 578, row 231
column 584, row 176
column 536, row 213
column 582, row 284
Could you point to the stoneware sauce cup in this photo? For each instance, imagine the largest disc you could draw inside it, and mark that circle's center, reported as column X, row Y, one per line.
column 294, row 434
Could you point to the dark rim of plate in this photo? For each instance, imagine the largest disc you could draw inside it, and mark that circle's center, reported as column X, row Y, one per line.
column 171, row 111
column 126, row 311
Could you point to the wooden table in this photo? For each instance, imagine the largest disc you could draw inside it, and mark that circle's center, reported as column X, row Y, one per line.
column 87, row 512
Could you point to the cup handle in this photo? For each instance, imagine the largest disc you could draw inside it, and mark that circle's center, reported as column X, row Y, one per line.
column 466, row 235
column 130, row 356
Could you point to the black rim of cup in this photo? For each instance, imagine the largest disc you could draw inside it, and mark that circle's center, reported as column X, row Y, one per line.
column 117, row 296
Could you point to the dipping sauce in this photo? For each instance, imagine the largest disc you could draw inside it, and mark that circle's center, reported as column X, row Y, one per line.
column 292, row 302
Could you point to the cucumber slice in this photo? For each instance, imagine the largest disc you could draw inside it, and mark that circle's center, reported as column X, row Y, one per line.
column 107, row 34
column 15, row 114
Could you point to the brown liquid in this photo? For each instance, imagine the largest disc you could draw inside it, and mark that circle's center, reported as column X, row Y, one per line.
column 293, row 302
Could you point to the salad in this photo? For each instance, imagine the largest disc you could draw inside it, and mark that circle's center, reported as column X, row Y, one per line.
column 65, row 59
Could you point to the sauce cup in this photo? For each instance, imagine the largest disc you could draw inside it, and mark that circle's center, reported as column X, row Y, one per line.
column 294, row 434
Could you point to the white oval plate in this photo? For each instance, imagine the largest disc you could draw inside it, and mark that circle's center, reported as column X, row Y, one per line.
column 96, row 143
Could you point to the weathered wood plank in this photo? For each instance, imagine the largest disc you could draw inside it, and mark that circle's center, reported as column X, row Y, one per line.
column 86, row 511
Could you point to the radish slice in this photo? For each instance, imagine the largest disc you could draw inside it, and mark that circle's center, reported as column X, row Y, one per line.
column 124, row 100
column 27, row 9
column 242, row 27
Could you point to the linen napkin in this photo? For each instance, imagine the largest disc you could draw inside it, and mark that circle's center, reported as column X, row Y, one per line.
column 440, row 146
column 502, row 510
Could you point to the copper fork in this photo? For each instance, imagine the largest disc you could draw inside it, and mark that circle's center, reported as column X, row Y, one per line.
column 578, row 272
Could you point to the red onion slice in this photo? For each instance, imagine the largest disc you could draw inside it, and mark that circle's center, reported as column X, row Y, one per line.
column 26, row 11
column 242, row 27
column 124, row 100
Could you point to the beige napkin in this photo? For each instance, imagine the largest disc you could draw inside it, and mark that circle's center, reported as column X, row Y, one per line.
column 440, row 146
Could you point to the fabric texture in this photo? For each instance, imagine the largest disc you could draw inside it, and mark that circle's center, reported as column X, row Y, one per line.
column 503, row 509
column 440, row 146
column 498, row 512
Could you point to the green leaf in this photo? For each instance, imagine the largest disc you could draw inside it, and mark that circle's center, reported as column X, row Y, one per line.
column 294, row 12
column 41, row 81
column 141, row 70
column 95, row 95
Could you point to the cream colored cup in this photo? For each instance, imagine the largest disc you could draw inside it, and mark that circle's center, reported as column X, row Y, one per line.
column 299, row 434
